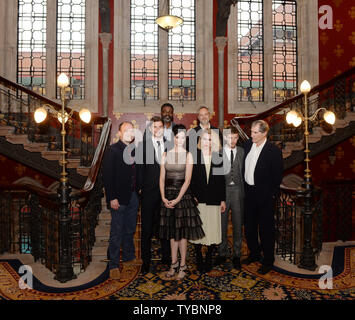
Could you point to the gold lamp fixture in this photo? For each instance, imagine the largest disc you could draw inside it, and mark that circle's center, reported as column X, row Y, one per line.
column 41, row 113
column 168, row 21
column 295, row 118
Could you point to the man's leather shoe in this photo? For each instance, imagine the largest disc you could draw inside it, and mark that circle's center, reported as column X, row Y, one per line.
column 145, row 268
column 264, row 269
column 250, row 260
column 220, row 260
column 236, row 263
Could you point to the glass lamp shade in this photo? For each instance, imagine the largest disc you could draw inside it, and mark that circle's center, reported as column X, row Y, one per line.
column 63, row 80
column 169, row 22
column 40, row 115
column 305, row 87
column 66, row 117
column 85, row 115
column 297, row 121
column 291, row 116
column 329, row 117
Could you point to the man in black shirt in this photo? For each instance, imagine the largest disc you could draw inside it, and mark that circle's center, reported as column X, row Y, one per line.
column 120, row 182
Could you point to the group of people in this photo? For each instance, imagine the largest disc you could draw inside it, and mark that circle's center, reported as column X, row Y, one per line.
column 187, row 182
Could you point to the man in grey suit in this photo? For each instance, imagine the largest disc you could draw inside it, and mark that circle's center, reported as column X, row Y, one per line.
column 233, row 167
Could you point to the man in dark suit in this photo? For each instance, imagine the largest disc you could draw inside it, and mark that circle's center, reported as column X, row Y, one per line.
column 167, row 115
column 150, row 151
column 263, row 174
column 233, row 161
column 120, row 182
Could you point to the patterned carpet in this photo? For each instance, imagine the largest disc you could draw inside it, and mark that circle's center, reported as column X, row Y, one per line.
column 222, row 283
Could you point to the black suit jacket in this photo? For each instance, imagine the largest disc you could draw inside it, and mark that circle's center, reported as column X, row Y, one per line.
column 119, row 177
column 268, row 169
column 149, row 167
column 213, row 192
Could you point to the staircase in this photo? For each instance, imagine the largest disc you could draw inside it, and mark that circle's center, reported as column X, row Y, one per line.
column 320, row 140
column 38, row 156
column 61, row 245
column 337, row 95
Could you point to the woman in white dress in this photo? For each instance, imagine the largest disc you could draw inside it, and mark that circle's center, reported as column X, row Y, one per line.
column 208, row 188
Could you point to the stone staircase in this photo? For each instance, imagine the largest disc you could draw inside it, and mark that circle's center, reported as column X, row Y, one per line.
column 320, row 140
column 18, row 145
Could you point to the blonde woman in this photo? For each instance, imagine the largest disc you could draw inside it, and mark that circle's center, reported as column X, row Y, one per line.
column 208, row 188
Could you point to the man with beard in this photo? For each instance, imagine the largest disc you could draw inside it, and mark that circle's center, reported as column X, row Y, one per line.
column 167, row 115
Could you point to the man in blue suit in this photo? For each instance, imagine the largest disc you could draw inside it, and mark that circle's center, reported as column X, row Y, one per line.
column 263, row 174
column 120, row 182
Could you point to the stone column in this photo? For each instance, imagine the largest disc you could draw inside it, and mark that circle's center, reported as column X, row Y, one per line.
column 105, row 41
column 221, row 44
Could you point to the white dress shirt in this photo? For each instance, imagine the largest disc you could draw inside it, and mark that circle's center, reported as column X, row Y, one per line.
column 228, row 150
column 250, row 162
column 168, row 132
column 156, row 146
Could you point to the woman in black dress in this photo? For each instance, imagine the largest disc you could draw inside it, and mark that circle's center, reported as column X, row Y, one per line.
column 179, row 219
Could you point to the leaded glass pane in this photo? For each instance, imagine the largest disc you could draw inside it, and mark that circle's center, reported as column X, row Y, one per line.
column 71, row 44
column 31, row 46
column 284, row 24
column 250, row 51
column 144, row 60
column 182, row 63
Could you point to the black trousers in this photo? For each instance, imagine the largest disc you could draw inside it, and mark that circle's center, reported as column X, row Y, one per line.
column 260, row 223
column 150, row 215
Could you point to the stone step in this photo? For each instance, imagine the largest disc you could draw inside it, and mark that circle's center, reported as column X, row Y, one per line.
column 51, row 155
column 286, row 153
column 350, row 116
column 35, row 146
column 102, row 231
column 6, row 130
column 298, row 145
column 105, row 215
column 83, row 171
column 17, row 138
column 73, row 163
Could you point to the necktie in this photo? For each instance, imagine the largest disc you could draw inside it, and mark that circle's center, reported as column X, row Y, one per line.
column 232, row 157
column 159, row 151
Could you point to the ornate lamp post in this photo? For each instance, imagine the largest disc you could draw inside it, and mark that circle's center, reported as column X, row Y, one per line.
column 307, row 257
column 65, row 269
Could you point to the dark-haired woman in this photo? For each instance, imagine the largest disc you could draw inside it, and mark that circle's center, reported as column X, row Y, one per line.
column 179, row 219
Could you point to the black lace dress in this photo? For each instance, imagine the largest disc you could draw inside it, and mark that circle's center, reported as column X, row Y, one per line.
column 182, row 222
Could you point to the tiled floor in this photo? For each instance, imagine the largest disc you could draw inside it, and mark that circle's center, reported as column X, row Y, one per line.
column 96, row 268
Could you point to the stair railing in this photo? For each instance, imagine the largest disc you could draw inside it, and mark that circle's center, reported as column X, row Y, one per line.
column 17, row 106
column 337, row 95
column 29, row 218
column 31, row 222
